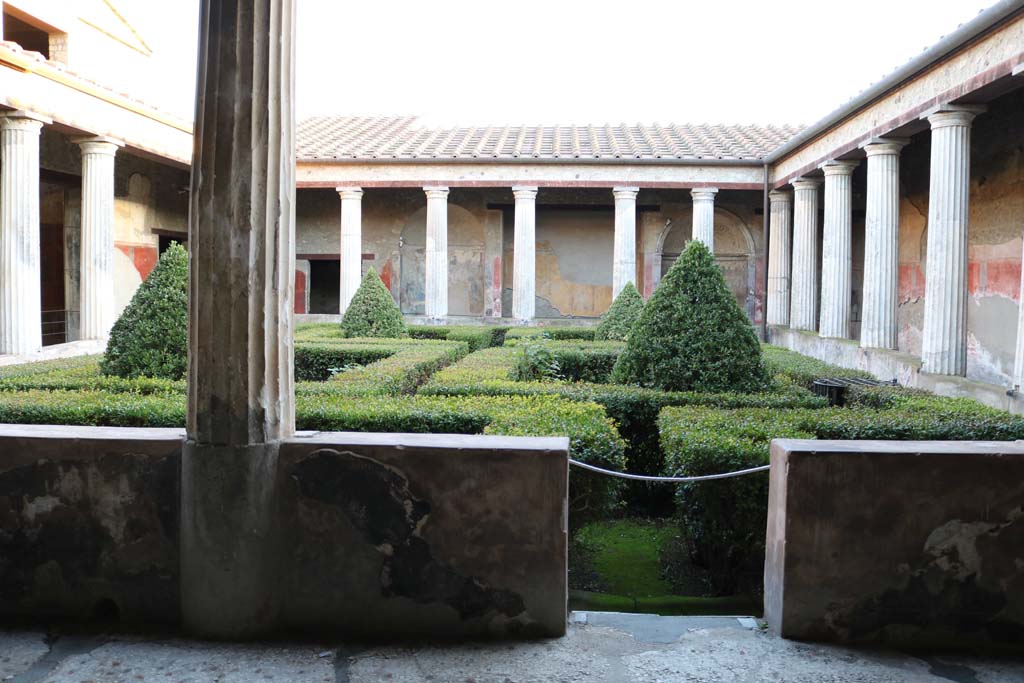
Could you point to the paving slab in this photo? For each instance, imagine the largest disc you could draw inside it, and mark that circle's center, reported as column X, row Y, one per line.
column 19, row 650
column 134, row 660
column 653, row 628
column 598, row 648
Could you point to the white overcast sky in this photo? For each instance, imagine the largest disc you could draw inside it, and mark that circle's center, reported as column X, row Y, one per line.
column 584, row 61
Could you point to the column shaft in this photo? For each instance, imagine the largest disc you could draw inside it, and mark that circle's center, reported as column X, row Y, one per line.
column 837, row 250
column 242, row 242
column 97, row 255
column 351, row 244
column 524, row 254
column 780, row 228
column 704, row 216
column 944, row 335
column 436, row 289
column 1018, row 365
column 20, row 293
column 881, row 245
column 624, row 256
column 804, row 280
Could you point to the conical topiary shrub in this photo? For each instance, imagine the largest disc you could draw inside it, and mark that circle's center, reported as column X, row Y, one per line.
column 619, row 319
column 372, row 312
column 692, row 335
column 151, row 336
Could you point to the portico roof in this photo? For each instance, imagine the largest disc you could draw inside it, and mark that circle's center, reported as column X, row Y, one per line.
column 368, row 139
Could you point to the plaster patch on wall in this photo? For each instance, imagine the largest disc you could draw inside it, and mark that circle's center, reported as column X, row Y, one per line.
column 951, row 589
column 76, row 531
column 991, row 338
column 377, row 501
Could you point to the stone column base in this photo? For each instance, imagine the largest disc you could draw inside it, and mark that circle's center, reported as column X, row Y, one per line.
column 229, row 540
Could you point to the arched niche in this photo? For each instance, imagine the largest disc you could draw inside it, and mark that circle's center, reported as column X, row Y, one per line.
column 465, row 262
column 735, row 252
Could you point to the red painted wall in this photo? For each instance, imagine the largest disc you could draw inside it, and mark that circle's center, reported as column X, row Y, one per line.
column 143, row 257
column 300, row 292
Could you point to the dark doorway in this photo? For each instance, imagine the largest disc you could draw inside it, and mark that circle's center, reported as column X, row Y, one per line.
column 324, row 286
column 166, row 238
column 51, row 266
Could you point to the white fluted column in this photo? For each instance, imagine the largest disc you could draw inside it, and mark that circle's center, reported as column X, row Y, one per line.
column 351, row 244
column 624, row 257
column 97, row 262
column 804, row 279
column 780, row 229
column 878, row 327
column 1018, row 365
column 20, row 294
column 944, row 335
column 704, row 216
column 837, row 250
column 524, row 254
column 436, row 290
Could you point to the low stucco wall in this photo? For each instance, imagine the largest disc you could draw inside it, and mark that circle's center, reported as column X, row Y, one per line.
column 915, row 542
column 383, row 534
column 885, row 365
column 420, row 534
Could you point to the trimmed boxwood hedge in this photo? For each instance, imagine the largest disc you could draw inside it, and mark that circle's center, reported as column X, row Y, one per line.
column 803, row 370
column 373, row 311
column 634, row 409
column 573, row 360
column 150, row 338
column 724, row 521
column 316, row 362
column 692, row 335
column 514, row 335
column 399, row 373
column 477, row 337
column 618, row 320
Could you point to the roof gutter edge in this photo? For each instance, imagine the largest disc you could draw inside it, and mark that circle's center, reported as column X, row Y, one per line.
column 751, row 163
column 967, row 31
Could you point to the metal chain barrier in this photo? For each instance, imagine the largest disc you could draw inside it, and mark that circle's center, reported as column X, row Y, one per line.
column 675, row 480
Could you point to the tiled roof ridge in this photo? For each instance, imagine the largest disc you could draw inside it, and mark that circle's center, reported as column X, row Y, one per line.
column 408, row 138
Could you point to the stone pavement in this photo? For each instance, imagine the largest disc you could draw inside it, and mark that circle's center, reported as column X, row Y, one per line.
column 599, row 648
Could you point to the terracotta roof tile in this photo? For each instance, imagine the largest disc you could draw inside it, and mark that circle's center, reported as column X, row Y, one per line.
column 365, row 138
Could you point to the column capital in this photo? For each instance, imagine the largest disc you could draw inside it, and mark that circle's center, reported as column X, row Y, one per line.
column 98, row 144
column 953, row 114
column 876, row 146
column 704, row 194
column 350, row 192
column 524, row 192
column 23, row 120
column 780, row 196
column 436, row 192
column 625, row 192
column 834, row 167
column 804, row 184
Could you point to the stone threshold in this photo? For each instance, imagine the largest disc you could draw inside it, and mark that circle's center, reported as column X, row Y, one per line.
column 83, row 347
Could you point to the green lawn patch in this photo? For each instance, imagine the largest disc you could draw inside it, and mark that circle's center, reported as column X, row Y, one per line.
column 666, row 605
column 627, row 555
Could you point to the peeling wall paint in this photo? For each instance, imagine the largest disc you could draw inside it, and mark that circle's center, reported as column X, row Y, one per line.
column 574, row 241
column 147, row 196
column 663, row 234
column 996, row 222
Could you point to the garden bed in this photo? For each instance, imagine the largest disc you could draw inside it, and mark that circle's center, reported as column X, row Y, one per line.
column 548, row 382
